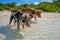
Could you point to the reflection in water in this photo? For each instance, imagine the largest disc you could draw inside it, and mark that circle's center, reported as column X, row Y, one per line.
column 10, row 33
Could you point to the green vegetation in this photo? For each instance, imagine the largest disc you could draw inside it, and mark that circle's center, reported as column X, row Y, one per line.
column 45, row 6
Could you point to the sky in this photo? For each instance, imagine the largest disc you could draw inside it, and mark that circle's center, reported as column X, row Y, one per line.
column 24, row 1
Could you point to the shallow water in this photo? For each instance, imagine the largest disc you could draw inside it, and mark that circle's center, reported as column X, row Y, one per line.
column 45, row 28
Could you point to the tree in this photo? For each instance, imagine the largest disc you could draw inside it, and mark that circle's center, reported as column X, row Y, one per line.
column 13, row 4
column 57, row 3
column 56, row 0
column 46, row 6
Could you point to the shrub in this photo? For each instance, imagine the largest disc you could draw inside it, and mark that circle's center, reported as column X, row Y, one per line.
column 46, row 6
column 2, row 8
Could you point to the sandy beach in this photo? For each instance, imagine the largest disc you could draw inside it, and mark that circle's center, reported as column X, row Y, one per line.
column 45, row 28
